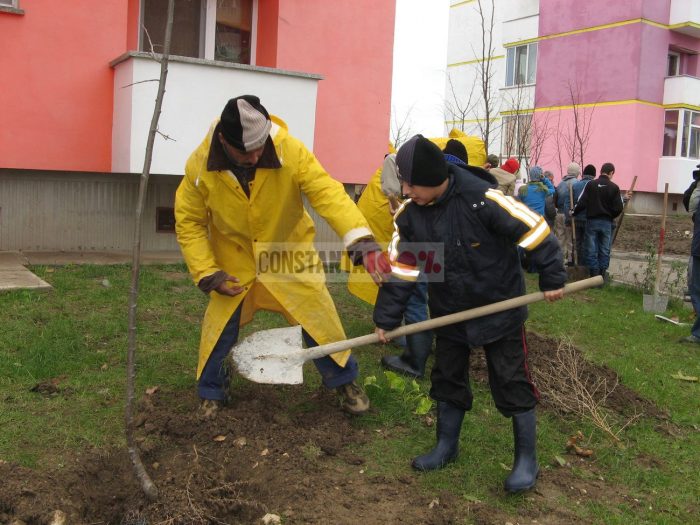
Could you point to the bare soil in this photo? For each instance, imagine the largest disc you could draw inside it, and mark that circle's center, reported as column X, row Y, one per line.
column 282, row 451
column 640, row 233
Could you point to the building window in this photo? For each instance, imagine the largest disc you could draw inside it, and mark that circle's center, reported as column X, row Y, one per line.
column 521, row 65
column 516, row 136
column 687, row 142
column 690, row 141
column 10, row 3
column 211, row 29
column 10, row 6
column 673, row 64
column 670, row 133
column 165, row 220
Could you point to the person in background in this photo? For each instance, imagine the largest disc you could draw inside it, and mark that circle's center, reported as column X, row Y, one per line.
column 602, row 202
column 505, row 175
column 240, row 198
column 562, row 200
column 534, row 194
column 588, row 174
column 550, row 177
column 480, row 230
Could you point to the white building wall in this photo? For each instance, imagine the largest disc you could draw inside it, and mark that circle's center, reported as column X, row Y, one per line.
column 196, row 92
column 464, row 52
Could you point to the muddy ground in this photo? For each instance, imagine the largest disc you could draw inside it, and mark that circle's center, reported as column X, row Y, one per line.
column 279, row 450
column 638, row 233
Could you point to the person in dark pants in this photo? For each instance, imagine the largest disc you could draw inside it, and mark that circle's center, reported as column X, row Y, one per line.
column 602, row 202
column 475, row 231
column 238, row 206
column 694, row 272
column 588, row 174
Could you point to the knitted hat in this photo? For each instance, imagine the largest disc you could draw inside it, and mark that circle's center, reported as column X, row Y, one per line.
column 245, row 123
column 456, row 149
column 421, row 163
column 589, row 170
column 511, row 165
column 573, row 169
column 492, row 160
column 535, row 173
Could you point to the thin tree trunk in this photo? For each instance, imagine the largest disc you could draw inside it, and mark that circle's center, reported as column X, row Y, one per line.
column 146, row 483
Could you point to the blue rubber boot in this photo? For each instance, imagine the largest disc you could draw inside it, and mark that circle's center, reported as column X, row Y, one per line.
column 412, row 361
column 525, row 469
column 449, row 424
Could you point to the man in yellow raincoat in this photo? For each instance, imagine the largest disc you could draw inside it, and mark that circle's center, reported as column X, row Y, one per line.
column 248, row 242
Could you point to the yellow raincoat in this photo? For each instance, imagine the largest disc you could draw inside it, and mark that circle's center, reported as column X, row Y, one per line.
column 374, row 205
column 220, row 228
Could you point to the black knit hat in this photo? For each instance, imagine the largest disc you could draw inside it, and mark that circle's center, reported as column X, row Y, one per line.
column 456, row 149
column 589, row 170
column 421, row 163
column 245, row 123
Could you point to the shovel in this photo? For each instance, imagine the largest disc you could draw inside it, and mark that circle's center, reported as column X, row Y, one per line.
column 276, row 356
column 576, row 272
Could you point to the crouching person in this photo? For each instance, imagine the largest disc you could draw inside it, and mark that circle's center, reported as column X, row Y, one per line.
column 479, row 230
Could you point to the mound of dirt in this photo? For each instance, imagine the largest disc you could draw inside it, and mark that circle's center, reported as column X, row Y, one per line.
column 277, row 450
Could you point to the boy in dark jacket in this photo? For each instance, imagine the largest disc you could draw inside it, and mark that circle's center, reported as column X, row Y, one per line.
column 602, row 202
column 468, row 232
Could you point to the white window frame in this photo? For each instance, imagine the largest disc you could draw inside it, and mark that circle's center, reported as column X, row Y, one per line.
column 517, row 150
column 677, row 56
column 207, row 31
column 10, row 3
column 684, row 133
column 530, row 64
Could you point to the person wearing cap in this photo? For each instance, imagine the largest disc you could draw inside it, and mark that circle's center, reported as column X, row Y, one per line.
column 238, row 207
column 563, row 220
column 602, row 202
column 538, row 196
column 475, row 231
column 505, row 175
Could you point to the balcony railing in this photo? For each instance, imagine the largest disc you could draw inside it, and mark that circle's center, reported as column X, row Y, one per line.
column 196, row 92
column 682, row 90
column 685, row 17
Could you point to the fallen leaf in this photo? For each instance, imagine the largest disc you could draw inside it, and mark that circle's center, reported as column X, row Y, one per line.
column 104, row 367
column 271, row 519
column 240, row 442
column 265, row 452
column 152, row 390
column 560, row 460
column 220, row 437
column 505, row 467
column 682, row 377
column 434, row 503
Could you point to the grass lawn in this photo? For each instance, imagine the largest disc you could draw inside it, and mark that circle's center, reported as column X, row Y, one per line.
column 75, row 337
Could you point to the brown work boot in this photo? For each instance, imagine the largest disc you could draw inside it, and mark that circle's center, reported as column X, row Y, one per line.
column 209, row 408
column 352, row 398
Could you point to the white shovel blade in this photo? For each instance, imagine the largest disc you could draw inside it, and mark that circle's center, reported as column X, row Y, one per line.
column 271, row 356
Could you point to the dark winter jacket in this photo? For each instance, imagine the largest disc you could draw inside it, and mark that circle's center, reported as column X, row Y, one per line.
column 466, row 244
column 600, row 199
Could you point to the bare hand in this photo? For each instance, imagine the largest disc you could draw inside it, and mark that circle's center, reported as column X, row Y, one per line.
column 225, row 289
column 553, row 295
column 380, row 333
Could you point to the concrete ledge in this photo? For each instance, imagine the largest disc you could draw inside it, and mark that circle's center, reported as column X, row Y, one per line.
column 19, row 278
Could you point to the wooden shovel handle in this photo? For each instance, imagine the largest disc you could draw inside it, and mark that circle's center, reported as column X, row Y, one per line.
column 473, row 313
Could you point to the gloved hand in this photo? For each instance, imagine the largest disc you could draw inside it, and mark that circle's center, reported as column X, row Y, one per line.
column 377, row 265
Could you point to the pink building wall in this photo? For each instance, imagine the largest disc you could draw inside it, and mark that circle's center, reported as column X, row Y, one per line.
column 58, row 86
column 351, row 45
column 560, row 16
column 628, row 135
column 619, row 63
column 57, row 83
